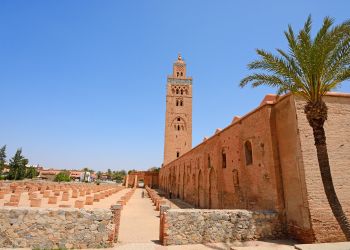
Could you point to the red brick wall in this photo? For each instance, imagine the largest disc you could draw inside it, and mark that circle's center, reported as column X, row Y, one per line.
column 284, row 175
column 150, row 178
column 236, row 186
column 337, row 127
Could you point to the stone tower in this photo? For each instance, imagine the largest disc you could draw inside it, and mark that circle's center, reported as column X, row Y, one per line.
column 178, row 117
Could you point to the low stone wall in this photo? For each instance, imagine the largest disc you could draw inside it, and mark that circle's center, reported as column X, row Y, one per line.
column 191, row 226
column 56, row 228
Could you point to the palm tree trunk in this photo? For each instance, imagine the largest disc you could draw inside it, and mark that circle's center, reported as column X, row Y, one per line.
column 316, row 121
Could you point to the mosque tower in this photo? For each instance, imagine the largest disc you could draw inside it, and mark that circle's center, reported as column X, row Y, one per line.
column 178, row 117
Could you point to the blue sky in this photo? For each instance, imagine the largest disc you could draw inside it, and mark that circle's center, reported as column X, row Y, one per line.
column 83, row 82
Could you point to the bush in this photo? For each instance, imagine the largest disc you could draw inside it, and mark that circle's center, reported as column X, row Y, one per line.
column 62, row 176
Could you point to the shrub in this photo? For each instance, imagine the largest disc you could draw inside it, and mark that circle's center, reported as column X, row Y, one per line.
column 62, row 176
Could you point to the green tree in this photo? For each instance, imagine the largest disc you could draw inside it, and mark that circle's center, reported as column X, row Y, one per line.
column 62, row 176
column 31, row 173
column 132, row 171
column 118, row 176
column 154, row 169
column 2, row 158
column 99, row 174
column 109, row 174
column 17, row 166
column 310, row 68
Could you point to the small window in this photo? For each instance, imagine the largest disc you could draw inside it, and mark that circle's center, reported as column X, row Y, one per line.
column 177, row 91
column 177, row 73
column 178, row 119
column 248, row 153
column 181, row 103
column 178, row 127
column 177, row 102
column 223, row 159
column 209, row 161
column 182, row 92
column 181, row 74
column 177, row 154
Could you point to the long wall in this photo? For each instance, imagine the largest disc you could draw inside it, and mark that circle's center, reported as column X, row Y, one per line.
column 149, row 178
column 203, row 178
column 282, row 173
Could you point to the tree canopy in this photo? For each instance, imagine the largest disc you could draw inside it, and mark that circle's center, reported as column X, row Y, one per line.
column 62, row 176
column 311, row 67
column 17, row 166
column 2, row 158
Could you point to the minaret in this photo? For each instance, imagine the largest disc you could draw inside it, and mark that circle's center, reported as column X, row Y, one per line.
column 178, row 117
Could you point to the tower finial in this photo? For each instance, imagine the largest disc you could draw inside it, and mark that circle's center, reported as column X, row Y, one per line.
column 179, row 58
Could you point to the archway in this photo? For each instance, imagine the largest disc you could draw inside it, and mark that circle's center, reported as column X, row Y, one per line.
column 201, row 197
column 183, row 183
column 213, row 190
column 141, row 183
column 178, row 184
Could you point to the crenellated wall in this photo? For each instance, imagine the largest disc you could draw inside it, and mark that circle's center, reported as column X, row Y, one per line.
column 282, row 173
column 202, row 178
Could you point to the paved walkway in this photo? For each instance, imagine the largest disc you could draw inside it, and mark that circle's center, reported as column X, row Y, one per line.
column 139, row 221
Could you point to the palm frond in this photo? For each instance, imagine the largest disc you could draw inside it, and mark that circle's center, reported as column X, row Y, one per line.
column 311, row 67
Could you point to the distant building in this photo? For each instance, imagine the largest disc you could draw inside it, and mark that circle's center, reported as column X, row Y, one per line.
column 48, row 174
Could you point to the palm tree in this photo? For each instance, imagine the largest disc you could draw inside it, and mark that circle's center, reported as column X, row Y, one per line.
column 310, row 68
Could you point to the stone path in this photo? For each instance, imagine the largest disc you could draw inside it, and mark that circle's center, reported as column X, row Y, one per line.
column 139, row 221
column 324, row 246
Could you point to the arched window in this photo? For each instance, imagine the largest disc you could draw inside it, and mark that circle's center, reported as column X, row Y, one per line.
column 178, row 127
column 177, row 73
column 177, row 102
column 181, row 103
column 248, row 153
column 177, row 91
column 182, row 92
column 178, row 119
column 181, row 74
column 223, row 156
column 177, row 154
